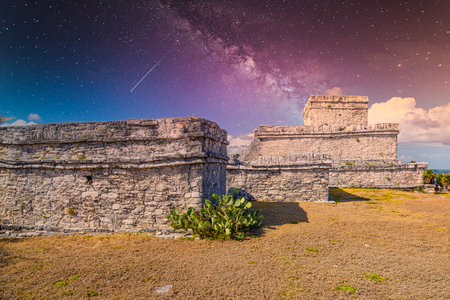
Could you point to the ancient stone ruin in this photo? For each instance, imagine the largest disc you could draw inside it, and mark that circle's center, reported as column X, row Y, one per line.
column 336, row 127
column 127, row 175
column 108, row 176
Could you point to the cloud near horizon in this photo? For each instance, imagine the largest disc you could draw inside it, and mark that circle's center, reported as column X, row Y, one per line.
column 417, row 125
column 19, row 122
column 334, row 91
column 239, row 143
column 34, row 117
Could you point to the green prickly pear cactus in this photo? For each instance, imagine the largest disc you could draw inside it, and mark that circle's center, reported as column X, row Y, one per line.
column 221, row 219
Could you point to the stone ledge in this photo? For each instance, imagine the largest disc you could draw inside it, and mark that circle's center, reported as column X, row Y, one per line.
column 299, row 166
column 113, row 131
column 169, row 157
column 390, row 167
column 265, row 131
column 116, row 164
column 116, row 140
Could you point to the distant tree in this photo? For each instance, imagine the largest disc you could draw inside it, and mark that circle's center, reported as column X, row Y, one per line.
column 428, row 176
column 445, row 180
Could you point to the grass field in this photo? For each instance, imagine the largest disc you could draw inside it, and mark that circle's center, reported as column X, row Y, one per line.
column 371, row 244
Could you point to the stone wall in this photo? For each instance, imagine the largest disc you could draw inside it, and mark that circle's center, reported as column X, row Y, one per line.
column 382, row 174
column 292, row 178
column 349, row 142
column 336, row 110
column 108, row 176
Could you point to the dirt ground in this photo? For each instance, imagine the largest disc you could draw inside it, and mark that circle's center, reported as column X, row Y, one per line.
column 372, row 244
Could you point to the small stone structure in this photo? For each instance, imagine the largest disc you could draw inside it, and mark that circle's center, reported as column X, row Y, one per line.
column 108, row 176
column 291, row 178
column 337, row 126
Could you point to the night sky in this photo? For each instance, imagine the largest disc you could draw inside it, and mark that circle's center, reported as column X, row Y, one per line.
column 239, row 63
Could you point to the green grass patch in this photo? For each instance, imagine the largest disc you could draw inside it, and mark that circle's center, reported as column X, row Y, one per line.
column 187, row 238
column 91, row 294
column 312, row 250
column 75, row 277
column 60, row 283
column 346, row 288
column 375, row 277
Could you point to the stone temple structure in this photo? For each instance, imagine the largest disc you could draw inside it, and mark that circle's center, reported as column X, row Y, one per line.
column 336, row 137
column 108, row 176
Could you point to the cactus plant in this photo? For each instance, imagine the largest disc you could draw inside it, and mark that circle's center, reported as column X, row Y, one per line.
column 221, row 219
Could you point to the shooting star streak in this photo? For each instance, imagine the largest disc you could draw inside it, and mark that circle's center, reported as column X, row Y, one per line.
column 149, row 71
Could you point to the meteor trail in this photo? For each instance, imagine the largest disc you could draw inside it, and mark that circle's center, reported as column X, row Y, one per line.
column 149, row 71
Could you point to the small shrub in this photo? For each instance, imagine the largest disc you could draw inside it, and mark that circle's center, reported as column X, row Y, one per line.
column 224, row 219
column 388, row 178
column 81, row 157
column 375, row 277
column 68, row 293
column 345, row 288
column 349, row 164
column 60, row 283
column 71, row 211
column 412, row 162
column 357, row 140
column 329, row 105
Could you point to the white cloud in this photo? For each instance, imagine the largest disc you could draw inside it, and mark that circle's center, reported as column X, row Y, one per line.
column 18, row 123
column 34, row 117
column 334, row 91
column 416, row 124
column 239, row 143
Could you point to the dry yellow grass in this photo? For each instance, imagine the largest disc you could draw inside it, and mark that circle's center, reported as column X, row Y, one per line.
column 384, row 244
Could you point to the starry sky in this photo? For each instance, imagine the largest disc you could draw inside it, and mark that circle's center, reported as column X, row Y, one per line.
column 240, row 63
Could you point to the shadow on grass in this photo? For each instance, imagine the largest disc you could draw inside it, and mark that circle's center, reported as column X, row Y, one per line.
column 340, row 195
column 278, row 213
